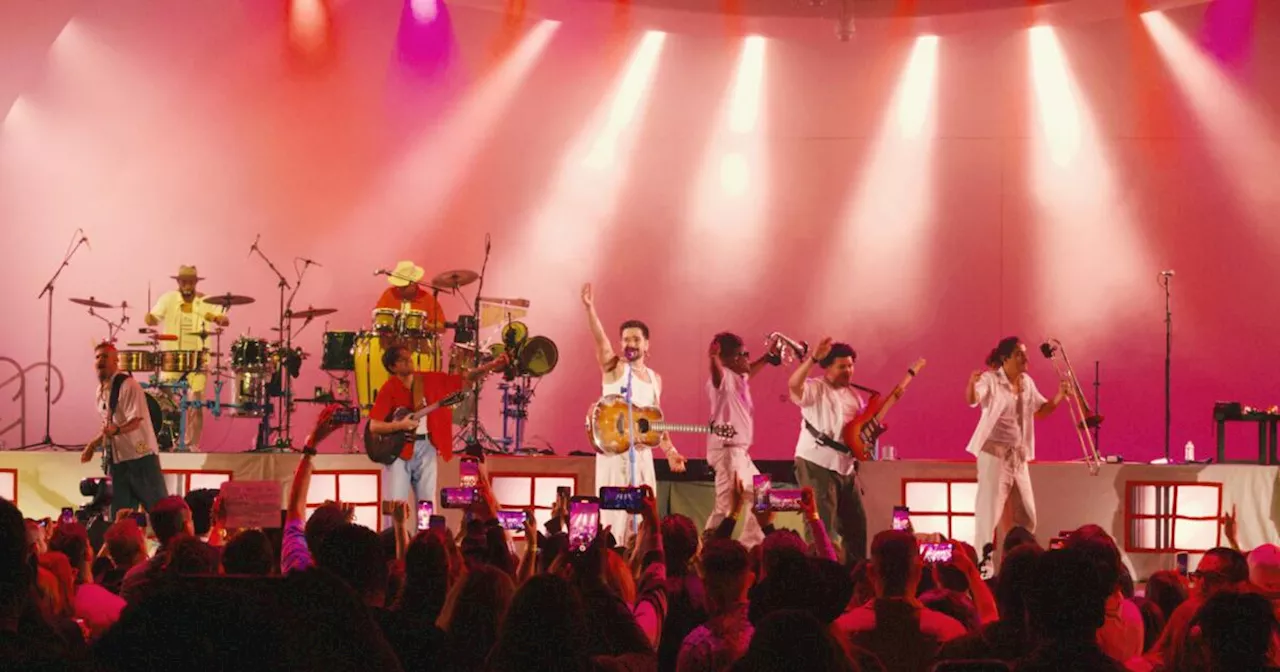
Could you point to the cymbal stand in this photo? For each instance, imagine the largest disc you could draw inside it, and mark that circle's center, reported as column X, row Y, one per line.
column 515, row 404
column 114, row 328
column 264, row 432
column 80, row 239
column 478, row 383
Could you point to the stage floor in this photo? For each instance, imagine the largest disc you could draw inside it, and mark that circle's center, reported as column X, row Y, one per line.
column 1143, row 506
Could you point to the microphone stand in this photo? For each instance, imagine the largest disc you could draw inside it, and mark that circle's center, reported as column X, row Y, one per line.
column 48, row 350
column 631, row 435
column 478, row 384
column 1165, row 278
column 264, row 432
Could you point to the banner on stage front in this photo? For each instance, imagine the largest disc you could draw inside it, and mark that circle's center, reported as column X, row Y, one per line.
column 251, row 504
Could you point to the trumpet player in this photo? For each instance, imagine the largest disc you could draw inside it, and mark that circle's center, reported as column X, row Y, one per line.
column 730, row 392
column 1005, row 441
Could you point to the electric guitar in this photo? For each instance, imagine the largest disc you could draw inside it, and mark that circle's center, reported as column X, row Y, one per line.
column 860, row 433
column 607, row 426
column 386, row 448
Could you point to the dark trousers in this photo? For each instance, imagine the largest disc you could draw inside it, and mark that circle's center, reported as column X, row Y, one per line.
column 135, row 482
column 839, row 506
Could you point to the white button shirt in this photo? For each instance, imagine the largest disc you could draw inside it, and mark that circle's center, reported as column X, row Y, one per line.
column 828, row 409
column 1000, row 407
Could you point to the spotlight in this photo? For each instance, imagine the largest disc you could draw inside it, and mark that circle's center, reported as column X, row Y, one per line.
column 844, row 22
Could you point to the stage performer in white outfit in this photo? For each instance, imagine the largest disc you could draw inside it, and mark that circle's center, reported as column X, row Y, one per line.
column 646, row 390
column 1005, row 440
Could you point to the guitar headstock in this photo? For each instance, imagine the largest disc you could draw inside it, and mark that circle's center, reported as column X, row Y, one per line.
column 723, row 431
column 918, row 365
column 453, row 399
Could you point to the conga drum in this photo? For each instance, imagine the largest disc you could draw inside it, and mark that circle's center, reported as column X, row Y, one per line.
column 370, row 374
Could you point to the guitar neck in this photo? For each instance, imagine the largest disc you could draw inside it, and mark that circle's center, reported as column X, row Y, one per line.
column 678, row 428
column 894, row 396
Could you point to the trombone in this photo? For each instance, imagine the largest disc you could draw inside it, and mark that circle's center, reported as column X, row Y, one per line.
column 1083, row 417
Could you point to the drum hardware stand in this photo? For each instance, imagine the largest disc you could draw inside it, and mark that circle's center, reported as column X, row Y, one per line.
column 114, row 328
column 80, row 239
column 471, row 328
column 515, row 403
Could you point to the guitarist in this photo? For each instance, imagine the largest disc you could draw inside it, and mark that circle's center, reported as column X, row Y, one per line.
column 128, row 440
column 646, row 389
column 822, row 462
column 433, row 434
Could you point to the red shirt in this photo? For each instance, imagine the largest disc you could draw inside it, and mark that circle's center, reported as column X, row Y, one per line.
column 434, row 386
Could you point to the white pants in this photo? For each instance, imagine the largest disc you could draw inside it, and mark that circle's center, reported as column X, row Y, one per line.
column 615, row 470
column 734, row 463
column 1004, row 498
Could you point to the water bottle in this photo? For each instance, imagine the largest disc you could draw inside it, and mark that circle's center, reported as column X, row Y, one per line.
column 1190, row 453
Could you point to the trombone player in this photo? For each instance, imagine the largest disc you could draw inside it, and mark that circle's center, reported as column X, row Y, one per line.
column 1005, row 441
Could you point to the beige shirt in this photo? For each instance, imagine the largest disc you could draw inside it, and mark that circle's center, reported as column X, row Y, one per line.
column 132, row 404
column 1006, row 415
column 828, row 409
column 173, row 320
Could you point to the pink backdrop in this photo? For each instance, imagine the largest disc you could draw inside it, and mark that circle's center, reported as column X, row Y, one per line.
column 176, row 135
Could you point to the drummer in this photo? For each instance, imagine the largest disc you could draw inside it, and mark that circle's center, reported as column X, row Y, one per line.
column 183, row 313
column 405, row 294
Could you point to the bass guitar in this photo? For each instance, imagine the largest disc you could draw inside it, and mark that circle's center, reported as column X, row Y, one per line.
column 386, row 448
column 607, row 426
column 860, row 434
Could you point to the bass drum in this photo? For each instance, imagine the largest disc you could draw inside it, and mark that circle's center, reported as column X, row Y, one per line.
column 370, row 374
column 165, row 419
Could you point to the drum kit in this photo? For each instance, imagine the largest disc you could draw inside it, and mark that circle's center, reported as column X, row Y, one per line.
column 259, row 369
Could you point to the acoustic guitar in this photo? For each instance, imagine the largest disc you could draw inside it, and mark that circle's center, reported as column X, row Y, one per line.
column 607, row 426
column 386, row 448
column 860, row 434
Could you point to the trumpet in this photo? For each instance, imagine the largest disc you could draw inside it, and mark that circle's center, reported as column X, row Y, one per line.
column 1082, row 416
column 787, row 348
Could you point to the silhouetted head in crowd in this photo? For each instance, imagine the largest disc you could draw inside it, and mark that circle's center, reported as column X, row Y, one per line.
column 680, row 541
column 353, row 553
column 1264, row 569
column 36, row 537
column 475, row 608
column 1100, row 548
column 791, row 640
column 17, row 567
column 426, row 576
column 201, row 504
column 544, row 629
column 250, row 553
column 1067, row 601
column 1017, row 537
column 72, row 540
column 1015, row 582
column 126, row 543
column 1237, row 628
column 1220, row 569
column 895, row 564
column 1153, row 621
column 1167, row 589
column 326, row 518
column 955, row 604
column 726, row 574
column 170, row 517
column 188, row 556
column 782, row 547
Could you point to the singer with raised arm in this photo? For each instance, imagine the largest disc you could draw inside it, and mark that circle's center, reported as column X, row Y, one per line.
column 183, row 314
column 646, row 390
column 826, row 404
column 1005, row 440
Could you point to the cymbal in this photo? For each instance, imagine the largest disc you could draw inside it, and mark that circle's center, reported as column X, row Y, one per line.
column 92, row 303
column 455, row 279
column 227, row 300
column 312, row 313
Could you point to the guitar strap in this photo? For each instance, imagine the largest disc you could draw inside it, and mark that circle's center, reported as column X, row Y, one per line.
column 824, row 440
column 113, row 401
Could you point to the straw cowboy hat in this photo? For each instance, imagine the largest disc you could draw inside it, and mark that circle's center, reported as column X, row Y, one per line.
column 404, row 273
column 187, row 273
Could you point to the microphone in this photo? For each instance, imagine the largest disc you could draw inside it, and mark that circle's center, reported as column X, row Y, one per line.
column 382, row 271
column 1047, row 350
column 308, row 261
column 254, row 246
column 630, row 354
column 487, row 243
column 85, row 239
column 1167, row 274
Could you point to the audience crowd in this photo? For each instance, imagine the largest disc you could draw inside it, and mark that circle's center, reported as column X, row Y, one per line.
column 323, row 593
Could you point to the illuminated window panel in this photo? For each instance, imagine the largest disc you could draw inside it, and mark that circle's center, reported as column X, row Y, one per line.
column 9, row 485
column 362, row 488
column 942, row 506
column 1172, row 517
column 213, row 481
column 324, row 488
column 181, row 481
column 531, row 492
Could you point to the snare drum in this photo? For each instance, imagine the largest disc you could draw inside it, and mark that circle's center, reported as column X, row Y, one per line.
column 183, row 361
column 136, row 360
column 249, row 397
column 339, row 351
column 250, row 354
column 413, row 322
column 385, row 319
